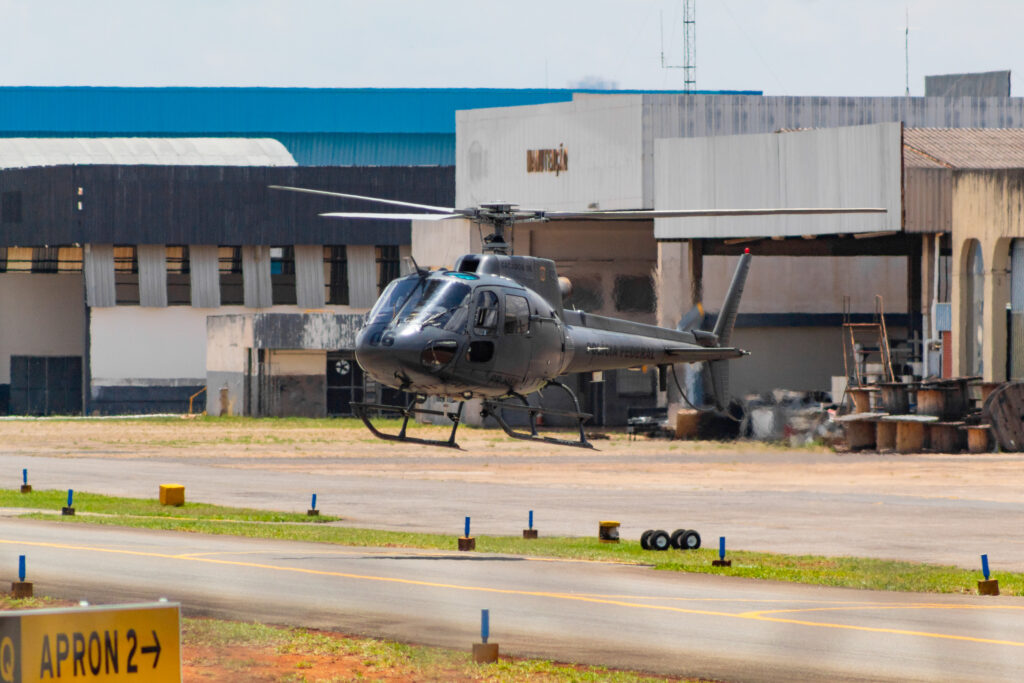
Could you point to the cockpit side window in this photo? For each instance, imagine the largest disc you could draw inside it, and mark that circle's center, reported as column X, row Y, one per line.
column 390, row 299
column 517, row 314
column 485, row 321
column 438, row 304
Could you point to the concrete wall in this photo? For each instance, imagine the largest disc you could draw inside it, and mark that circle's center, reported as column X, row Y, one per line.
column 602, row 138
column 296, row 384
column 153, row 359
column 40, row 315
column 437, row 244
column 988, row 206
column 796, row 358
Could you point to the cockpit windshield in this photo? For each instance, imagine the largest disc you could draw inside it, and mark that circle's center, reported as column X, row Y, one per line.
column 392, row 298
column 442, row 303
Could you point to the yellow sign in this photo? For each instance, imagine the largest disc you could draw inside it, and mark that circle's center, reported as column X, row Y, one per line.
column 106, row 643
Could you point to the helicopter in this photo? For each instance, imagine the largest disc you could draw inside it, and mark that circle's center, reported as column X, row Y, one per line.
column 494, row 328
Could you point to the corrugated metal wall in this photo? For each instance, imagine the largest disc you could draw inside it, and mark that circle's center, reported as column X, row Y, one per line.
column 606, row 167
column 256, row 276
column 309, row 276
column 176, row 111
column 851, row 166
column 362, row 276
column 370, row 149
column 152, row 275
column 928, row 200
column 204, row 270
column 99, row 275
column 210, row 204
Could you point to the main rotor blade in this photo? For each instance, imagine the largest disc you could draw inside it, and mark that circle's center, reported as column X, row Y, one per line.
column 626, row 215
column 392, row 216
column 393, row 202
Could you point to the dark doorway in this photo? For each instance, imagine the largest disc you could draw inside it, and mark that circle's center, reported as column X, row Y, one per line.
column 344, row 383
column 46, row 385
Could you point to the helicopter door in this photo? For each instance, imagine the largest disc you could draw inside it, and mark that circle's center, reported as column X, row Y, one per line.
column 514, row 346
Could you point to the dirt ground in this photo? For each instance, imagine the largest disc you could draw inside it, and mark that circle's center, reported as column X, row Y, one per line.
column 488, row 456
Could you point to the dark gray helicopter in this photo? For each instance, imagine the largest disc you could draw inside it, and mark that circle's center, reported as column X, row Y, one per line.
column 494, row 327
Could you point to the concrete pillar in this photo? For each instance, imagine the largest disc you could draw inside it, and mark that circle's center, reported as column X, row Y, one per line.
column 997, row 295
column 672, row 282
column 960, row 305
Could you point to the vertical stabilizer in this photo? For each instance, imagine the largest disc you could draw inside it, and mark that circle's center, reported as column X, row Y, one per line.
column 727, row 317
column 719, row 369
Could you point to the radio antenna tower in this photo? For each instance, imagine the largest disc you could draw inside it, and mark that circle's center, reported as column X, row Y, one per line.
column 689, row 65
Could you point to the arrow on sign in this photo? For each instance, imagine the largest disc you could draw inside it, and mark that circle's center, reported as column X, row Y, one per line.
column 150, row 649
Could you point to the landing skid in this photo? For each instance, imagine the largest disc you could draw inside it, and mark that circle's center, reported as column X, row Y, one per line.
column 363, row 410
column 496, row 408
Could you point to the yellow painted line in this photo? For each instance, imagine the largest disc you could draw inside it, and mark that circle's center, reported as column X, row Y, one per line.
column 753, row 616
column 881, row 606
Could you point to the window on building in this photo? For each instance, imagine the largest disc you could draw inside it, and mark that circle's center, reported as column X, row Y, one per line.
column 389, row 265
column 45, row 259
column 126, row 275
column 336, row 276
column 18, row 260
column 634, row 294
column 636, row 382
column 10, row 207
column 179, row 280
column 69, row 260
column 282, row 275
column 586, row 294
column 232, row 289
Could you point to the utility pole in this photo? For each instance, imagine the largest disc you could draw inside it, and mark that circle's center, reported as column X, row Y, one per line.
column 689, row 65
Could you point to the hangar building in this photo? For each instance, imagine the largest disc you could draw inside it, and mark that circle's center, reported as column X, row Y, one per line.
column 665, row 151
column 130, row 215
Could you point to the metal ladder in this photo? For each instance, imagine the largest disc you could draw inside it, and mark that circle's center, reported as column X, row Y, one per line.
column 877, row 332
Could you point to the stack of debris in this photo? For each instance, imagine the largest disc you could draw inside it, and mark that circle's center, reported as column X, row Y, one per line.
column 911, row 417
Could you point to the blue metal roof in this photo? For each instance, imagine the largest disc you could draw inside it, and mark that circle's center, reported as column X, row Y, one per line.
column 319, row 126
column 180, row 111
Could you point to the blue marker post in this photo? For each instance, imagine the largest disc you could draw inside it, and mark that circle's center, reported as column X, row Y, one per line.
column 530, row 532
column 721, row 561
column 467, row 542
column 25, row 486
column 484, row 652
column 987, row 586
column 69, row 510
column 21, row 588
column 312, row 511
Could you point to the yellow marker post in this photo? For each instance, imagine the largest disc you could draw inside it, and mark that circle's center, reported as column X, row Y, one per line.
column 112, row 643
column 172, row 494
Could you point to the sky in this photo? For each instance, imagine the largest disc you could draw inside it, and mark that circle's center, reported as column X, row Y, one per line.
column 781, row 47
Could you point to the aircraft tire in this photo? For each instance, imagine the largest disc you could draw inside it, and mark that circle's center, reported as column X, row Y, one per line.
column 643, row 539
column 689, row 540
column 659, row 540
column 674, row 538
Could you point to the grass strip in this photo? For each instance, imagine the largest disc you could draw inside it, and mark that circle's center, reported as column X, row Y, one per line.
column 243, row 650
column 123, row 509
column 391, row 660
column 846, row 572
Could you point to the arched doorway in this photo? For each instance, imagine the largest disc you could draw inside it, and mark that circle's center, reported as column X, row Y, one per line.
column 1015, row 322
column 974, row 307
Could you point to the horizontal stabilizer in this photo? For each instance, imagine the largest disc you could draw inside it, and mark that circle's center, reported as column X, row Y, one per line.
column 695, row 354
column 692, row 320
